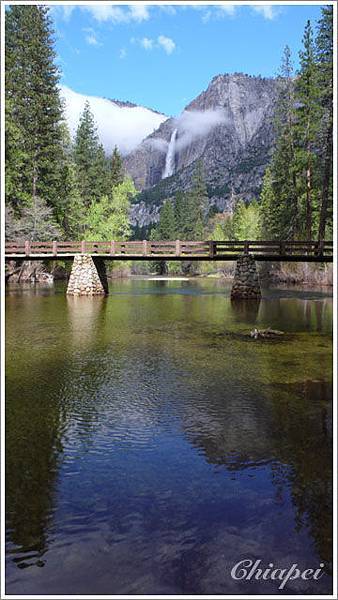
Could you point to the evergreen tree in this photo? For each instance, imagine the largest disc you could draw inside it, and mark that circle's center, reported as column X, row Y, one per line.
column 71, row 212
column 306, row 129
column 198, row 203
column 268, row 209
column 33, row 109
column 184, row 224
column 166, row 228
column 116, row 168
column 283, row 161
column 102, row 173
column 88, row 158
column 324, row 57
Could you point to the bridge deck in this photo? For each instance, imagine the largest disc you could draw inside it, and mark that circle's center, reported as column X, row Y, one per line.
column 293, row 251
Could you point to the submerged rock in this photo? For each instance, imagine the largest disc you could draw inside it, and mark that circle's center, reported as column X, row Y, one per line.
column 265, row 333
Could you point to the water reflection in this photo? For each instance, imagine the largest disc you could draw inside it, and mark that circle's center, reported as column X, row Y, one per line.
column 147, row 448
column 246, row 310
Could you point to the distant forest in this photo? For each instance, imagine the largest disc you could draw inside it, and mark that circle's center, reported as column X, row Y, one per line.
column 62, row 188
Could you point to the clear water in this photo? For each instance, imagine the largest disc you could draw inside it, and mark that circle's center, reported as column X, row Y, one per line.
column 152, row 445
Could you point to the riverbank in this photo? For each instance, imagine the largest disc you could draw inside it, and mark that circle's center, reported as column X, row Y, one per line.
column 284, row 272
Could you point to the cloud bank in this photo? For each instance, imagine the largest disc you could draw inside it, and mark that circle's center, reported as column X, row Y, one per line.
column 196, row 123
column 124, row 127
column 190, row 125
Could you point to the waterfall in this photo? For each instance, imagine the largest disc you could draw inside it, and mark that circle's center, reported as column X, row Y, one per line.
column 170, row 158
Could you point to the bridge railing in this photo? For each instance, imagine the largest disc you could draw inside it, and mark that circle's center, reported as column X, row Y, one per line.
column 176, row 248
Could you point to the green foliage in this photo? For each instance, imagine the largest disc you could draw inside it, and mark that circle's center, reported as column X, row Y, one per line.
column 243, row 224
column 88, row 158
column 33, row 110
column 246, row 221
column 296, row 198
column 166, row 228
column 108, row 219
column 37, row 162
column 116, row 168
column 269, row 209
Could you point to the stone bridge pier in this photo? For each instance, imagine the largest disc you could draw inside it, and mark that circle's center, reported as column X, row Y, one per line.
column 88, row 276
column 246, row 281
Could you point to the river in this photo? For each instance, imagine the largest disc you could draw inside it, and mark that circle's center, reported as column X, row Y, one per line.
column 151, row 445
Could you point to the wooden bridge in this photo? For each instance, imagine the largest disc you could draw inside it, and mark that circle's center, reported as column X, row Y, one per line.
column 294, row 251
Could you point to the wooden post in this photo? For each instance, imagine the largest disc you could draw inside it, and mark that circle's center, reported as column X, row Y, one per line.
column 177, row 248
column 55, row 248
column 27, row 247
column 145, row 247
column 282, row 248
column 83, row 247
column 212, row 248
column 246, row 247
column 112, row 247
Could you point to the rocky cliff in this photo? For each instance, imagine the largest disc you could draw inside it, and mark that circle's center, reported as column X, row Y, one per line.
column 229, row 127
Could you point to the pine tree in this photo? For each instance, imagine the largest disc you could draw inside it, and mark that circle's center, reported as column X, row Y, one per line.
column 268, row 208
column 116, row 168
column 324, row 57
column 283, row 161
column 33, row 108
column 102, row 173
column 198, row 203
column 87, row 157
column 166, row 228
column 306, row 115
column 184, row 224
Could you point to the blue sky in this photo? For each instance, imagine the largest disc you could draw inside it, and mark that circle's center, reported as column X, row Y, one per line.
column 164, row 56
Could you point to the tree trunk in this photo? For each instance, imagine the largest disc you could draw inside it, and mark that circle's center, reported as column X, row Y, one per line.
column 308, row 202
column 325, row 186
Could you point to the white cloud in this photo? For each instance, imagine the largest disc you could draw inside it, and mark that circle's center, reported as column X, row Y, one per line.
column 91, row 40
column 122, row 53
column 195, row 123
column 125, row 127
column 147, row 43
column 63, row 11
column 118, row 14
column 91, row 37
column 268, row 11
column 190, row 125
column 166, row 43
column 218, row 11
column 227, row 8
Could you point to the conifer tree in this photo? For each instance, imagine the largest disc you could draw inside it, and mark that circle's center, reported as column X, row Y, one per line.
column 306, row 115
column 166, row 228
column 33, row 109
column 116, row 168
column 324, row 57
column 85, row 153
column 268, row 209
column 198, row 203
column 283, row 161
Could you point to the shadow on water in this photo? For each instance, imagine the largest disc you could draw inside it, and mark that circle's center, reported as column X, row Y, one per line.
column 146, row 452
